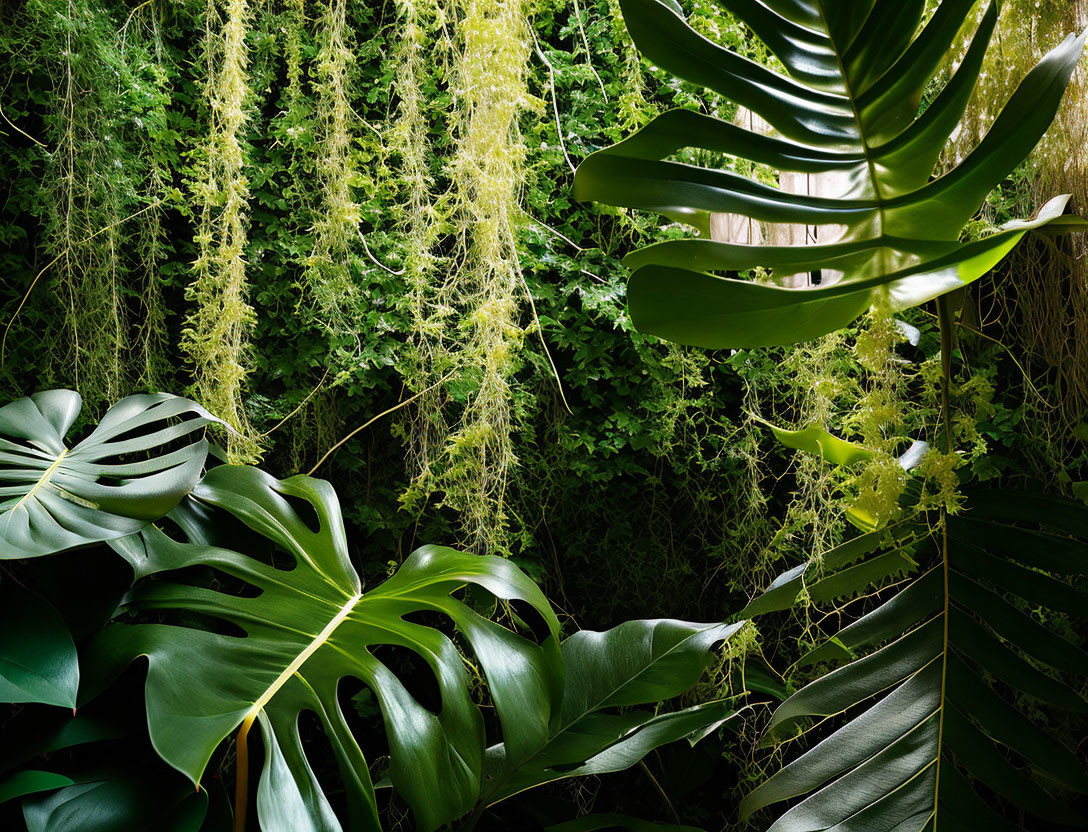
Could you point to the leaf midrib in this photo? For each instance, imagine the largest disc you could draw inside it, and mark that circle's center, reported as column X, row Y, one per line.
column 867, row 152
column 296, row 664
column 43, row 480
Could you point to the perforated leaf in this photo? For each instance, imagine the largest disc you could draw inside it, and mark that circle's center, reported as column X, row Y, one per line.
column 54, row 497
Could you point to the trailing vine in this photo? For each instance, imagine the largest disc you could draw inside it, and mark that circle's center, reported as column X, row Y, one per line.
column 329, row 284
column 216, row 331
column 99, row 189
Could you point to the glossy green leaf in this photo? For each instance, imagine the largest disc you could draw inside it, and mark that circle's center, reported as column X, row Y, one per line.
column 918, row 663
column 311, row 625
column 38, row 661
column 29, row 781
column 636, row 663
column 54, row 497
column 847, row 104
column 780, row 595
column 709, row 311
column 116, row 803
column 825, row 445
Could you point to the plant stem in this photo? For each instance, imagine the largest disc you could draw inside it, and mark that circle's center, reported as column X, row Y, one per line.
column 946, row 320
column 241, row 783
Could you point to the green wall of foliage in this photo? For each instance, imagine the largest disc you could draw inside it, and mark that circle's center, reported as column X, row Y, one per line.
column 634, row 481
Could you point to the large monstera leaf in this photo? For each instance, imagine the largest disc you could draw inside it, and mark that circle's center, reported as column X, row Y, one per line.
column 937, row 681
column 311, row 625
column 53, row 497
column 847, row 109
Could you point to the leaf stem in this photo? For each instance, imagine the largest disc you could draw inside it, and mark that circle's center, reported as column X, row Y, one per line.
column 241, row 783
column 945, row 317
column 660, row 788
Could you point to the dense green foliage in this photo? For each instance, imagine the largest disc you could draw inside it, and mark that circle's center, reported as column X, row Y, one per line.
column 648, row 419
column 287, row 211
column 943, row 679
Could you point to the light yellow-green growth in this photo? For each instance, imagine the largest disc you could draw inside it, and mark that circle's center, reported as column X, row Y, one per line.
column 330, row 293
column 292, row 49
column 466, row 325
column 818, row 375
column 490, row 87
column 422, row 41
column 216, row 334
column 879, row 418
column 721, row 681
column 635, row 109
column 1048, row 319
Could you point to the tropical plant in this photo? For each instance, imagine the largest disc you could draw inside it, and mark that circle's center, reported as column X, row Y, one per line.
column 312, row 624
column 935, row 708
column 243, row 553
column 849, row 107
column 938, row 679
column 56, row 497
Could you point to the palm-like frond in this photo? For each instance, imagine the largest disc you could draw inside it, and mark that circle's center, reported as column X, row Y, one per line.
column 935, row 682
column 848, row 105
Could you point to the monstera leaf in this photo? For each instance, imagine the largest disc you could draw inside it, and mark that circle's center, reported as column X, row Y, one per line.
column 847, row 110
column 636, row 663
column 310, row 625
column 107, row 486
column 937, row 680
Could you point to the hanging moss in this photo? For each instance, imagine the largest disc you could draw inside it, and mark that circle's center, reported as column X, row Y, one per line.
column 216, row 335
column 465, row 325
column 92, row 187
column 819, row 378
column 421, row 221
column 490, row 84
column 154, row 366
column 634, row 108
column 330, row 292
column 879, row 417
column 1044, row 310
